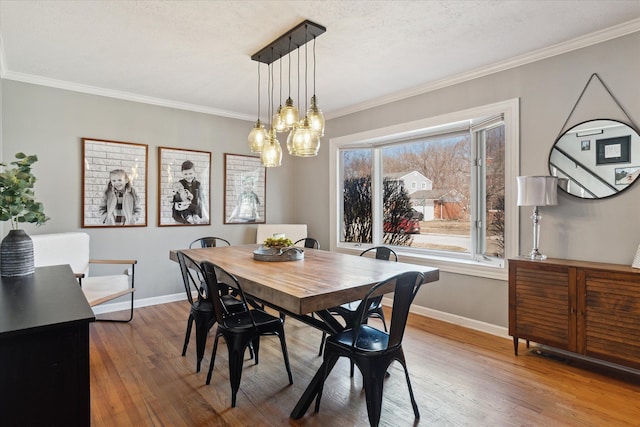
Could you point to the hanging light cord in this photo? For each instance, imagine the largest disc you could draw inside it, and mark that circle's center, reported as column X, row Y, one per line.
column 289, row 64
column 306, row 95
column 280, row 99
column 298, row 74
column 258, row 88
column 270, row 90
column 314, row 65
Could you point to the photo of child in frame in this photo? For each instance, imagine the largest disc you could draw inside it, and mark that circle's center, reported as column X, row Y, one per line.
column 114, row 183
column 184, row 183
column 244, row 189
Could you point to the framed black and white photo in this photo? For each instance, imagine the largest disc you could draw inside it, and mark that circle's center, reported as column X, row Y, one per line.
column 183, row 187
column 613, row 150
column 585, row 145
column 114, row 183
column 245, row 183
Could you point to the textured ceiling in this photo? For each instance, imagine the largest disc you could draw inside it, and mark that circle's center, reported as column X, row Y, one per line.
column 196, row 54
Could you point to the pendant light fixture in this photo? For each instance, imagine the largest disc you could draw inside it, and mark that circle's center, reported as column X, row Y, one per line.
column 277, row 122
column 289, row 114
column 316, row 118
column 271, row 155
column 303, row 140
column 306, row 141
column 258, row 134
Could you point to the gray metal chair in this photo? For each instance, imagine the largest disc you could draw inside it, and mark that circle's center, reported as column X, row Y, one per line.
column 349, row 311
column 309, row 242
column 371, row 349
column 209, row 242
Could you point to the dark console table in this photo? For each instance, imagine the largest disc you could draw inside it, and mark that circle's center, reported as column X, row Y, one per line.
column 44, row 350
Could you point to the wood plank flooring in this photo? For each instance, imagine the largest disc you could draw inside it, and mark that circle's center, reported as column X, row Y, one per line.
column 460, row 377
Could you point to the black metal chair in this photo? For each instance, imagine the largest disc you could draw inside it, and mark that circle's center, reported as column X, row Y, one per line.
column 371, row 349
column 209, row 242
column 348, row 311
column 201, row 312
column 309, row 242
column 240, row 329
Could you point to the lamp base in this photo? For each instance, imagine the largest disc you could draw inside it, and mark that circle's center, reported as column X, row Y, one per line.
column 536, row 255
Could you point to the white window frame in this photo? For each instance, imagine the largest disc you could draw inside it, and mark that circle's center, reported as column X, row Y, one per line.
column 510, row 110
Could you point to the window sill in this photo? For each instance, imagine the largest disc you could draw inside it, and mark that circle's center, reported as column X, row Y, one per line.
column 497, row 271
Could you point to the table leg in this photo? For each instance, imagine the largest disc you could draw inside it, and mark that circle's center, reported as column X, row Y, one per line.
column 311, row 391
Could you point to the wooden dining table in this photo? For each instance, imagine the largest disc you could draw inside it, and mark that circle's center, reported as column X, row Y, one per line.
column 305, row 289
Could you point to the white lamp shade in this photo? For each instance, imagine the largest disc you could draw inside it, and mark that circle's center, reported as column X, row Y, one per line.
column 537, row 190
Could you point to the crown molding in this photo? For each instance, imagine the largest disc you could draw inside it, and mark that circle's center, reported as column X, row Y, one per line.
column 601, row 36
column 127, row 96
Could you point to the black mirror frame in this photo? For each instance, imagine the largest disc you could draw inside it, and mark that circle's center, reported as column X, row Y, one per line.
column 616, row 193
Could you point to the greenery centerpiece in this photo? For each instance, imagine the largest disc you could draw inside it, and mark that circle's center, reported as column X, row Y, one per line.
column 278, row 248
column 277, row 242
column 18, row 205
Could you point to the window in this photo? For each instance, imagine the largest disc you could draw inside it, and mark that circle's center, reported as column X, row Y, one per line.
column 461, row 168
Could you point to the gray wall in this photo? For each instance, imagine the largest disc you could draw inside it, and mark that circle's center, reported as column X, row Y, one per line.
column 605, row 230
column 50, row 123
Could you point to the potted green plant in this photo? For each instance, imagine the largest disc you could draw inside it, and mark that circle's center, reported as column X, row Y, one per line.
column 18, row 205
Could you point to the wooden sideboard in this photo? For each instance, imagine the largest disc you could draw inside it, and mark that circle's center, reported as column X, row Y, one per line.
column 588, row 308
column 44, row 350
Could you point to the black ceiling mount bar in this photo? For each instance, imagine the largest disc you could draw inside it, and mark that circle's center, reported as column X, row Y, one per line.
column 299, row 35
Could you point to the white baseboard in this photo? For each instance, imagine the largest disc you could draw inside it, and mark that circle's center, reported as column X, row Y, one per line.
column 145, row 302
column 477, row 325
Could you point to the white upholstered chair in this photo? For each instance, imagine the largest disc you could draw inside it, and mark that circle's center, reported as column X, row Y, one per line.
column 73, row 248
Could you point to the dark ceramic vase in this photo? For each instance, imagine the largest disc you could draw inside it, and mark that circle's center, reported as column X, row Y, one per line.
column 16, row 254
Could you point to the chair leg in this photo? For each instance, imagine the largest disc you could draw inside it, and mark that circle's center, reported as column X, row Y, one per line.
column 120, row 320
column 202, row 328
column 373, row 386
column 213, row 358
column 251, row 353
column 236, row 356
column 416, row 412
column 255, row 343
column 187, row 335
column 237, row 348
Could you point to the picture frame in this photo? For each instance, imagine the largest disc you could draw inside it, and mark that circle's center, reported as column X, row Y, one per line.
column 613, row 150
column 626, row 176
column 245, row 183
column 114, row 183
column 184, row 178
column 585, row 145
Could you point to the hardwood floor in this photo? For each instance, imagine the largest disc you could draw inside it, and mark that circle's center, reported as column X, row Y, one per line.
column 460, row 377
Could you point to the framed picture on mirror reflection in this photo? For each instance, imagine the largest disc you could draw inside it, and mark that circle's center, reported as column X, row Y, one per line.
column 613, row 150
column 625, row 176
column 585, row 145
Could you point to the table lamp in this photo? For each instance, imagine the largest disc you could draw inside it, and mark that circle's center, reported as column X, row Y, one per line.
column 537, row 191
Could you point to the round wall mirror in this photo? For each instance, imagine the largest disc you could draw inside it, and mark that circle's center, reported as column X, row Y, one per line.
column 596, row 159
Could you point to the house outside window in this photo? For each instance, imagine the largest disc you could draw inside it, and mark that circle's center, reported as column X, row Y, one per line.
column 462, row 169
